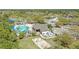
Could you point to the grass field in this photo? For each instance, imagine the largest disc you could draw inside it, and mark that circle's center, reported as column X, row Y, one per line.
column 27, row 43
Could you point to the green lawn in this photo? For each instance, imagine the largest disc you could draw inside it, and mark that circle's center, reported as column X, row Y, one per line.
column 51, row 42
column 27, row 43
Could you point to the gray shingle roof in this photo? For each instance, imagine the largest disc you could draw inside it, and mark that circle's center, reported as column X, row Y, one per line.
column 42, row 27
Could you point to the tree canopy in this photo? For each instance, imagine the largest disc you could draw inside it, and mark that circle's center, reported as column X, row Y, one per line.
column 7, row 37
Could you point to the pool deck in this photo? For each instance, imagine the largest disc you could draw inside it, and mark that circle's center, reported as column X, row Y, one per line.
column 29, row 25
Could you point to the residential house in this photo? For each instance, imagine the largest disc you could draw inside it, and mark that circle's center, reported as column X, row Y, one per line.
column 57, row 31
column 12, row 19
column 40, row 27
column 21, row 23
column 68, row 16
column 44, row 31
column 74, row 23
column 75, row 35
column 52, row 21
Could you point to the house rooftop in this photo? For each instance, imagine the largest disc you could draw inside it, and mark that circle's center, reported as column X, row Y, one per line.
column 76, row 35
column 74, row 23
column 42, row 27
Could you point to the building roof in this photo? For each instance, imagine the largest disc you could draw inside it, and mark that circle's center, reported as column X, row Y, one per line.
column 74, row 23
column 57, row 30
column 69, row 16
column 12, row 19
column 42, row 27
column 53, row 20
column 76, row 35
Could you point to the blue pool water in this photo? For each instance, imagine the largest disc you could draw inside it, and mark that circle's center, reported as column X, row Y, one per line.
column 21, row 28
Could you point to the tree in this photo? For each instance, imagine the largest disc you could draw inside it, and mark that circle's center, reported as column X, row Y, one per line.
column 38, row 19
column 74, row 45
column 64, row 40
column 22, row 34
column 63, row 21
column 50, row 27
column 7, row 37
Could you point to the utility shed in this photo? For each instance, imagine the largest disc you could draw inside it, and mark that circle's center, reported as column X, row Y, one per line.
column 40, row 27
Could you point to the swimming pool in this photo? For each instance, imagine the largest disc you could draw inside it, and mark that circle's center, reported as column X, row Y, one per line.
column 21, row 28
